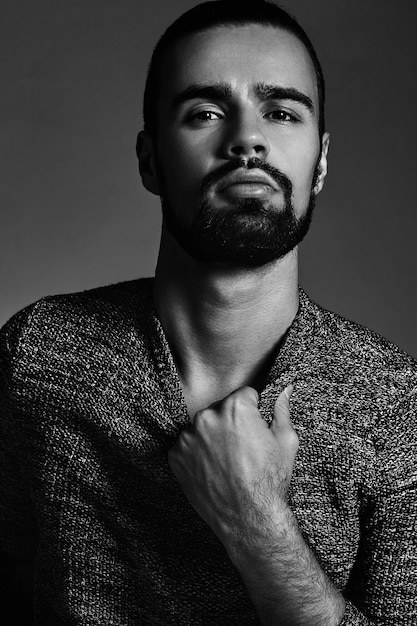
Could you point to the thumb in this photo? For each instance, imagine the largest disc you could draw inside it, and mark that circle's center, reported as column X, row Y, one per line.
column 282, row 418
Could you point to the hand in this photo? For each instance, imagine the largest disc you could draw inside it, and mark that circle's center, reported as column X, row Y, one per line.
column 235, row 471
column 234, row 468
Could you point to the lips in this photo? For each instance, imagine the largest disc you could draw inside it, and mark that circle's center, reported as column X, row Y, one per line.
column 245, row 177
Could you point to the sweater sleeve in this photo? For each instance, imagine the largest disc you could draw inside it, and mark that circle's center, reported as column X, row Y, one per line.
column 17, row 529
column 353, row 617
column 383, row 583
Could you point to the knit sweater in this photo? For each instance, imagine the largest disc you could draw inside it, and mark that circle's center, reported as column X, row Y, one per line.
column 94, row 528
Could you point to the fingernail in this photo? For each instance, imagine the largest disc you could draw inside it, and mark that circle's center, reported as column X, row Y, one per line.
column 288, row 391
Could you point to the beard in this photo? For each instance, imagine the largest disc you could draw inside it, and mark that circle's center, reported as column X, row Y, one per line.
column 248, row 232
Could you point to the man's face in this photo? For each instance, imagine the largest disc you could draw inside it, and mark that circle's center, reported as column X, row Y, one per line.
column 238, row 149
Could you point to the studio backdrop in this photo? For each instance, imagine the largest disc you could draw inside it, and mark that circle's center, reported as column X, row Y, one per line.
column 73, row 212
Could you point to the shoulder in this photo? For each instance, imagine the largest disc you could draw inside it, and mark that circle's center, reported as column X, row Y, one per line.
column 355, row 351
column 71, row 321
column 355, row 398
column 371, row 378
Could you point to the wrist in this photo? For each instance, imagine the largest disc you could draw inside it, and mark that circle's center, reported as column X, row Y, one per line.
column 263, row 531
column 274, row 560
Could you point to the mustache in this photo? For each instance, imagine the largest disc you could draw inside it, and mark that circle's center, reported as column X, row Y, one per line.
column 254, row 163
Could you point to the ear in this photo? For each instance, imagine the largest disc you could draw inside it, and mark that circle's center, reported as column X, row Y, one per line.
column 146, row 157
column 322, row 165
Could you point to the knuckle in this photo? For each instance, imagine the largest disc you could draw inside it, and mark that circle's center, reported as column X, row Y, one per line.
column 231, row 403
column 181, row 443
column 240, row 398
column 200, row 417
column 234, row 406
column 281, row 405
column 249, row 394
column 197, row 417
column 292, row 438
column 237, row 402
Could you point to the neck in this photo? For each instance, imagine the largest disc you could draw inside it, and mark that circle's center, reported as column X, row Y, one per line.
column 224, row 326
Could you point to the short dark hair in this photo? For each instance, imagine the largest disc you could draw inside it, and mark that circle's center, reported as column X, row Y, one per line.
column 210, row 14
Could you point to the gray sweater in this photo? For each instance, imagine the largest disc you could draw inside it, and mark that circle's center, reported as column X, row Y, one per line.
column 94, row 528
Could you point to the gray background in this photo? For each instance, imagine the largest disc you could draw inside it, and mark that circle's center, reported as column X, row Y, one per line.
column 73, row 211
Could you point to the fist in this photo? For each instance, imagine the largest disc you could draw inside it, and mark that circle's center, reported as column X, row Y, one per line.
column 231, row 465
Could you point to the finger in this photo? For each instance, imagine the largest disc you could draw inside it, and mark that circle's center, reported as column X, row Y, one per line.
column 245, row 394
column 249, row 394
column 282, row 417
column 239, row 397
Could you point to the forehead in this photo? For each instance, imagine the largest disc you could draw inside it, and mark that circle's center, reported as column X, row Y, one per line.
column 242, row 56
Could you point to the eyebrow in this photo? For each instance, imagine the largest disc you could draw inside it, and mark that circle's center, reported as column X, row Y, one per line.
column 223, row 91
column 266, row 91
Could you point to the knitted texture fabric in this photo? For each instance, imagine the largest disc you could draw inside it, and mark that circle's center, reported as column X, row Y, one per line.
column 94, row 528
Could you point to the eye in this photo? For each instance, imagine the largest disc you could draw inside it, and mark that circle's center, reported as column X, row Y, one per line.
column 280, row 115
column 203, row 116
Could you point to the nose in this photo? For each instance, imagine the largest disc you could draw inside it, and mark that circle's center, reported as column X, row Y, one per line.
column 245, row 137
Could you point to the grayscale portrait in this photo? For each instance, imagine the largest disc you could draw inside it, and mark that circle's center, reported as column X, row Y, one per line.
column 207, row 348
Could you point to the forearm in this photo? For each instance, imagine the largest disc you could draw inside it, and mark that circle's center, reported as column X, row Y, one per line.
column 281, row 574
column 235, row 471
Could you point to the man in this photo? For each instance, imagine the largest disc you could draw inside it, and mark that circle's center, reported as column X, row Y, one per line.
column 211, row 447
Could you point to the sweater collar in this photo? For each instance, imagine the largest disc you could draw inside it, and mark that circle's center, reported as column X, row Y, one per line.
column 294, row 356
